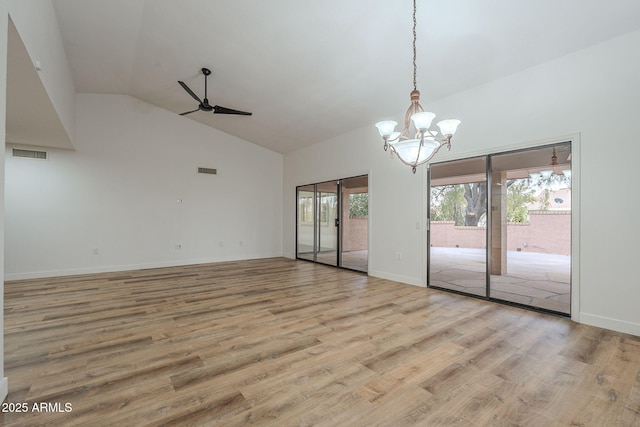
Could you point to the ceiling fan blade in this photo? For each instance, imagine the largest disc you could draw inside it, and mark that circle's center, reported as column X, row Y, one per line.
column 189, row 112
column 224, row 110
column 190, row 92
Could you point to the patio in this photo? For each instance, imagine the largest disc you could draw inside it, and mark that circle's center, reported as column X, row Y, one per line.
column 535, row 279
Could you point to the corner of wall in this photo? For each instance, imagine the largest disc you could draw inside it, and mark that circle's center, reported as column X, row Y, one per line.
column 37, row 25
column 4, row 27
column 4, row 388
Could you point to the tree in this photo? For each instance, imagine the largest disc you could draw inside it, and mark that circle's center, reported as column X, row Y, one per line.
column 448, row 203
column 476, row 196
column 359, row 204
column 465, row 203
column 519, row 195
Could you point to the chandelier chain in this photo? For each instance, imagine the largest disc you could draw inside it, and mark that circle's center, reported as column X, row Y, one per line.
column 416, row 144
column 415, row 69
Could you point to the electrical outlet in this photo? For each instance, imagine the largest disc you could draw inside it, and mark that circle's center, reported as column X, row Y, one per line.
column 398, row 255
column 178, row 246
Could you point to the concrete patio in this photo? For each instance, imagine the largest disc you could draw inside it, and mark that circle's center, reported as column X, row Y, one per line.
column 535, row 279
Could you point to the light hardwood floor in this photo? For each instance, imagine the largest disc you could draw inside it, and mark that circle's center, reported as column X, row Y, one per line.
column 278, row 342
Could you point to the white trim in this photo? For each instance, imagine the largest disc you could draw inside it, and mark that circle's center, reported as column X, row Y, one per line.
column 130, row 267
column 575, row 228
column 423, row 221
column 396, row 278
column 609, row 323
column 369, row 228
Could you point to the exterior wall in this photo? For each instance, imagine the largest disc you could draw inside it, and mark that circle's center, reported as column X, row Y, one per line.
column 547, row 232
column 446, row 234
column 355, row 232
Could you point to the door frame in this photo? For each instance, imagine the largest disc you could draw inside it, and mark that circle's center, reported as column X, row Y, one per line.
column 574, row 140
column 339, row 222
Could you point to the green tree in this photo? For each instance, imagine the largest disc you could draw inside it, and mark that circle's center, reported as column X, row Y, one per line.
column 448, row 203
column 359, row 204
column 466, row 203
column 519, row 195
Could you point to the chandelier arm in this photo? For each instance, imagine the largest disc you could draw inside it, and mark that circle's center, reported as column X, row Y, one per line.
column 419, row 150
column 435, row 151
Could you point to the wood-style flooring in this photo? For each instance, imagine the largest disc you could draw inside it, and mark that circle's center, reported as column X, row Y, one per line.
column 278, row 342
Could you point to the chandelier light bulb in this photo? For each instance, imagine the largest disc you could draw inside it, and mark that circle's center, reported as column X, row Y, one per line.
column 422, row 120
column 448, row 126
column 386, row 127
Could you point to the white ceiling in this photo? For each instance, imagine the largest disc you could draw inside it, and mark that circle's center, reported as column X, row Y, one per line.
column 311, row 70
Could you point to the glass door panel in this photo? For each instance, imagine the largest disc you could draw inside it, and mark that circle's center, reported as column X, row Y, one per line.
column 354, row 222
column 327, row 225
column 305, row 229
column 458, row 226
column 531, row 227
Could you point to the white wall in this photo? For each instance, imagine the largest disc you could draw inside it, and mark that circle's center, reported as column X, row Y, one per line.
column 37, row 25
column 118, row 192
column 594, row 92
column 395, row 199
column 4, row 22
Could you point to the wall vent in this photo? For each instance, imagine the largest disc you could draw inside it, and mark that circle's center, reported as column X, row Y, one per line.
column 29, row 154
column 208, row 170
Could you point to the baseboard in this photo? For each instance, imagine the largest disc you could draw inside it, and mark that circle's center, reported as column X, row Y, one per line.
column 609, row 323
column 397, row 278
column 128, row 267
column 4, row 389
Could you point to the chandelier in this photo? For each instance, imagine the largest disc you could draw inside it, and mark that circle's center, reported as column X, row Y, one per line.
column 547, row 173
column 416, row 144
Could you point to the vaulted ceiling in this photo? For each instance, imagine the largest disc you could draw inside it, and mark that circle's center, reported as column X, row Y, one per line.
column 311, row 70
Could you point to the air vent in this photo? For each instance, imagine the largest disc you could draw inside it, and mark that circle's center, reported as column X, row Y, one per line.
column 208, row 170
column 29, row 154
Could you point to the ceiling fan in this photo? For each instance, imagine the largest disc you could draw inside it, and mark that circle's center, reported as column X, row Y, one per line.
column 204, row 103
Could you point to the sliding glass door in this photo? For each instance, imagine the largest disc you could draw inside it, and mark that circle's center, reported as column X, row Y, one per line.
column 305, row 227
column 500, row 227
column 458, row 226
column 354, row 223
column 332, row 223
column 327, row 223
column 531, row 227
